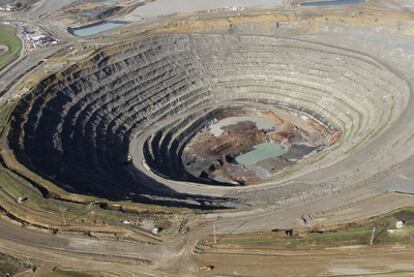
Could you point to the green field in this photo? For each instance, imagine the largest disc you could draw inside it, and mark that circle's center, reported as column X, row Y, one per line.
column 348, row 234
column 8, row 37
column 11, row 265
column 60, row 273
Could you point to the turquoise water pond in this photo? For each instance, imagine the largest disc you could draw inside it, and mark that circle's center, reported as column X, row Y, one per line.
column 260, row 152
column 96, row 28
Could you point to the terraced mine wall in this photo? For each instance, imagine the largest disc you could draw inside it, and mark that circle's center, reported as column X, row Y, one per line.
column 114, row 126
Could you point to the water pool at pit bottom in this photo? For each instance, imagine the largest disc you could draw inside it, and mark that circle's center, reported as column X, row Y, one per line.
column 261, row 152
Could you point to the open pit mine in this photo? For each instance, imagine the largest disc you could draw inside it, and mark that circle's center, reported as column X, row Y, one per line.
column 139, row 116
column 155, row 147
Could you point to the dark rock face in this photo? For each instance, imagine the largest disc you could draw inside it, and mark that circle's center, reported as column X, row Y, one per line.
column 75, row 128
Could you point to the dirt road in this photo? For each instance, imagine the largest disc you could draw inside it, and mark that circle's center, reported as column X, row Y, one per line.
column 366, row 261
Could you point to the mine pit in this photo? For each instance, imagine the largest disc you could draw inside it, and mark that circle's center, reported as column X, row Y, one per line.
column 247, row 146
column 179, row 119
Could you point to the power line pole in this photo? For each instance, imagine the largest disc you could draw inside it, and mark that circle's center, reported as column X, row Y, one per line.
column 371, row 241
column 214, row 233
column 62, row 210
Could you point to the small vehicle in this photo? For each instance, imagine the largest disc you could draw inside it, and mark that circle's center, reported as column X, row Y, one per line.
column 206, row 268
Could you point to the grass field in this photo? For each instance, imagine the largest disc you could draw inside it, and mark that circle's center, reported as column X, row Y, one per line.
column 8, row 37
column 348, row 234
column 11, row 265
column 60, row 273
